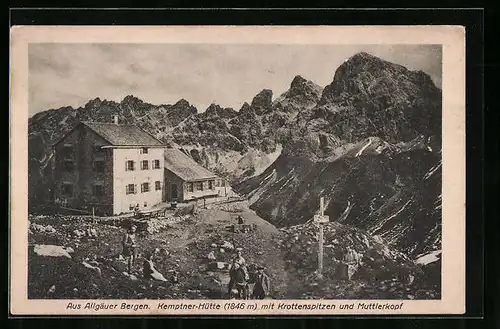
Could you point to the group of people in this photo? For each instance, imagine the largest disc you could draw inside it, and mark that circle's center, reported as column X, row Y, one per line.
column 238, row 272
column 129, row 251
column 240, row 279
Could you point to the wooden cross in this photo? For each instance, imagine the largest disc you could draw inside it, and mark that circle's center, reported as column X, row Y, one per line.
column 320, row 219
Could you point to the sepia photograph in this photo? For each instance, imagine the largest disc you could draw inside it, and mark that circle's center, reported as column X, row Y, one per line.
column 234, row 171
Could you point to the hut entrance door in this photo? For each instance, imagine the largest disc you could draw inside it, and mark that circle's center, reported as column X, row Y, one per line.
column 174, row 193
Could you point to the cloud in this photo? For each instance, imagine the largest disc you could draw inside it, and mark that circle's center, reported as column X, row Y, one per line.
column 71, row 74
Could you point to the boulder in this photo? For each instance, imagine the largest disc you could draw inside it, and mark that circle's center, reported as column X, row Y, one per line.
column 187, row 210
column 217, row 265
column 227, row 245
column 94, row 262
column 42, row 229
column 78, row 233
column 92, row 233
column 51, row 251
column 93, row 268
column 211, row 255
column 119, row 266
column 158, row 276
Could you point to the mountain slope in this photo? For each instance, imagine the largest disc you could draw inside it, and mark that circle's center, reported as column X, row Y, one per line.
column 371, row 147
column 388, row 196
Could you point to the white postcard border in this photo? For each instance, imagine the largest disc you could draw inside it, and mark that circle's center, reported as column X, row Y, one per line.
column 452, row 39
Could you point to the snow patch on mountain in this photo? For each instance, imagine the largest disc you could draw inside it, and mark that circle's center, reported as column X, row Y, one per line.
column 428, row 258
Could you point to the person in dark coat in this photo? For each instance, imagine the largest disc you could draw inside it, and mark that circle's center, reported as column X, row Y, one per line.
column 130, row 246
column 148, row 267
column 239, row 281
column 262, row 284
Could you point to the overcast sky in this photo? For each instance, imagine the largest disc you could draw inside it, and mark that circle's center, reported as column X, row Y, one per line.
column 229, row 75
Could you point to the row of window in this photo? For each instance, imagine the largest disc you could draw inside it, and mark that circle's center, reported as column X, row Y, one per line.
column 98, row 165
column 132, row 188
column 67, row 190
column 98, row 189
column 198, row 186
column 130, row 165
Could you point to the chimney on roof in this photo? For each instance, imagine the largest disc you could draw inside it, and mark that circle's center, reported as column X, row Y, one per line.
column 115, row 119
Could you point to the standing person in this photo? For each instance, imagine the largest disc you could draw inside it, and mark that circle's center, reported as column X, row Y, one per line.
column 238, row 268
column 262, row 284
column 239, row 279
column 130, row 246
column 136, row 211
column 238, row 259
column 352, row 261
column 148, row 266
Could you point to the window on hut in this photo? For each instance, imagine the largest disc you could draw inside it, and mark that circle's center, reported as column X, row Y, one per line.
column 144, row 187
column 98, row 190
column 156, row 164
column 145, row 165
column 189, row 187
column 157, row 185
column 69, row 165
column 144, row 150
column 130, row 189
column 211, row 184
column 67, row 150
column 130, row 165
column 99, row 166
column 198, row 186
column 67, row 189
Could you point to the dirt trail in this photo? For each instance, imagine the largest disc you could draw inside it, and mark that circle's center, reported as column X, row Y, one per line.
column 208, row 227
column 184, row 247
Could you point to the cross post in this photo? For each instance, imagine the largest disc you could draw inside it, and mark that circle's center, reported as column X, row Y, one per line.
column 320, row 219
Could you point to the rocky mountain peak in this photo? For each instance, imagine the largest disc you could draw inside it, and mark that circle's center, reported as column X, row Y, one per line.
column 183, row 106
column 263, row 99
column 303, row 87
column 297, row 81
column 93, row 103
column 182, row 102
column 362, row 62
column 217, row 110
column 245, row 108
column 363, row 56
column 367, row 77
column 131, row 99
column 213, row 109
